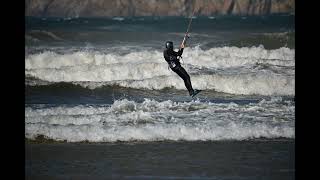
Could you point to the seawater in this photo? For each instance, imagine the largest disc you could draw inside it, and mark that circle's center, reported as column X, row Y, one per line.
column 105, row 79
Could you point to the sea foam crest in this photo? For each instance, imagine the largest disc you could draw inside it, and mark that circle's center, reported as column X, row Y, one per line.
column 151, row 120
column 214, row 57
column 229, row 69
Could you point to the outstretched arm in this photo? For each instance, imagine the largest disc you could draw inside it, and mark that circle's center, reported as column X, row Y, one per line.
column 179, row 53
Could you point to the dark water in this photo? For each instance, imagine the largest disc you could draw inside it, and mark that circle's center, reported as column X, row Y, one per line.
column 163, row 160
column 147, row 32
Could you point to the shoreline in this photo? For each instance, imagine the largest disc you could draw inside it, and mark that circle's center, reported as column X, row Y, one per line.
column 91, row 8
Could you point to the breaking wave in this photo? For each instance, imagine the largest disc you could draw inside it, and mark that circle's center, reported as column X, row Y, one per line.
column 151, row 120
column 232, row 70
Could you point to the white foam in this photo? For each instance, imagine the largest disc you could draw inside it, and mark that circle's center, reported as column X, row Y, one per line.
column 151, row 121
column 242, row 84
column 214, row 57
column 229, row 69
column 234, row 57
column 118, row 18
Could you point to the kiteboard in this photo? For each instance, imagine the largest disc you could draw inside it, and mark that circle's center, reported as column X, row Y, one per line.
column 196, row 92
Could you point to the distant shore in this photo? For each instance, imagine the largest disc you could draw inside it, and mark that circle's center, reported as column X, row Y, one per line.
column 111, row 8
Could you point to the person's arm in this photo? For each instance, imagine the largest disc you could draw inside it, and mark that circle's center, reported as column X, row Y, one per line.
column 179, row 53
column 165, row 55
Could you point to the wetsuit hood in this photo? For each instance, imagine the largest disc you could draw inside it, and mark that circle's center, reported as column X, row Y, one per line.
column 169, row 45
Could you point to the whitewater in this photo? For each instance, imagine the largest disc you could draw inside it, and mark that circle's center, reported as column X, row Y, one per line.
column 234, row 70
column 151, row 120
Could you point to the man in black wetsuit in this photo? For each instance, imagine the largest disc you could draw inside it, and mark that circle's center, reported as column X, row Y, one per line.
column 172, row 59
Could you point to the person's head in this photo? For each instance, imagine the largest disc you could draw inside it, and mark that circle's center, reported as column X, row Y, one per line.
column 169, row 45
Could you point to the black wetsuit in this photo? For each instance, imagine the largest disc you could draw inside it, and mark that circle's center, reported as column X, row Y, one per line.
column 172, row 59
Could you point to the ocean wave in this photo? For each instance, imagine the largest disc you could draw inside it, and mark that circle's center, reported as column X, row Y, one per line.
column 118, row 18
column 229, row 69
column 268, row 40
column 42, row 35
column 214, row 57
column 151, row 120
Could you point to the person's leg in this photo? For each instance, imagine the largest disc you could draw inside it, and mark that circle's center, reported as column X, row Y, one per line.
column 186, row 78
